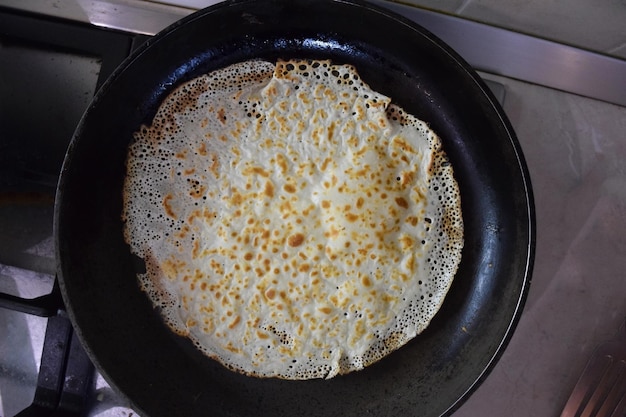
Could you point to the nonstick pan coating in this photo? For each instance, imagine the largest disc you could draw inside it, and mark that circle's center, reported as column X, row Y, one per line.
column 163, row 374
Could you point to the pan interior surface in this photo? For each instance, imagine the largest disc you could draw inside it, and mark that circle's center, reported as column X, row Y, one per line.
column 163, row 374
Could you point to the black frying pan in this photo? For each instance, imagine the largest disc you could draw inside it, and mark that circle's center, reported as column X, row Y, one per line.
column 162, row 374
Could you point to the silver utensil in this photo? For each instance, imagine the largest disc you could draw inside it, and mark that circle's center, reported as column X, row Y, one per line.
column 601, row 389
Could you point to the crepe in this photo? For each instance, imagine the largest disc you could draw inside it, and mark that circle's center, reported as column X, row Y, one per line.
column 294, row 223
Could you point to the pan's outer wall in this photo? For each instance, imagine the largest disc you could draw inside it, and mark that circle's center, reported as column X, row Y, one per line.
column 162, row 374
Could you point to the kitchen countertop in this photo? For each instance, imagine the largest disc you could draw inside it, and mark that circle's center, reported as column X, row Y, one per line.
column 575, row 149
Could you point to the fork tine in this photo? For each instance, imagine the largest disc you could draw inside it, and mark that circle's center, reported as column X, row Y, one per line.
column 620, row 409
column 602, row 389
column 617, row 397
column 583, row 391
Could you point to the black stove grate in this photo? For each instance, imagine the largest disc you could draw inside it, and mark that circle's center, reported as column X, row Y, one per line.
column 64, row 383
column 43, row 306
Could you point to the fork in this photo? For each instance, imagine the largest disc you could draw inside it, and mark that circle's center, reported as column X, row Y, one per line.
column 601, row 389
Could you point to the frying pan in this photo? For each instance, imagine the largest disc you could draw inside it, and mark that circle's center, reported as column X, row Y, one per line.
column 163, row 374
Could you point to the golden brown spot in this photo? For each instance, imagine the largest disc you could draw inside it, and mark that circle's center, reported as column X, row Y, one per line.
column 421, row 196
column 325, row 310
column 389, row 298
column 402, row 202
column 256, row 170
column 202, row 149
column 221, row 115
column 269, row 189
column 333, row 233
column 295, row 240
column 281, row 161
column 168, row 207
column 248, row 256
column 286, row 208
column 351, row 217
column 361, row 172
column 234, row 322
column 360, row 202
column 215, row 164
column 196, row 249
column 236, row 199
column 407, row 242
column 326, row 204
column 271, row 91
column 412, row 220
column 307, row 210
column 216, row 266
column 331, row 130
column 406, row 178
column 193, row 215
column 404, row 145
column 171, row 268
column 270, row 294
column 289, row 188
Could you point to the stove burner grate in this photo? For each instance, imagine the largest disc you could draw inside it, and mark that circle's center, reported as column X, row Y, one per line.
column 65, row 379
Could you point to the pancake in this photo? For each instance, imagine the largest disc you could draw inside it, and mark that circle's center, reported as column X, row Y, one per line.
column 294, row 223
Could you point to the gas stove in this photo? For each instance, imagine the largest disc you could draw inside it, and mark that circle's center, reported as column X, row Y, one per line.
column 50, row 68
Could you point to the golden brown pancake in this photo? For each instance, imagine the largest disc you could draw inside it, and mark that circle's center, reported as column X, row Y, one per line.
column 294, row 222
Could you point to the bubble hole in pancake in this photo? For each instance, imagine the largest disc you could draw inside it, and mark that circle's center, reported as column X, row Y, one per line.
column 294, row 223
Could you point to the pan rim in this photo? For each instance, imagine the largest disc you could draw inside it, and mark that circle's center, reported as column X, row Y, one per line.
column 516, row 147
